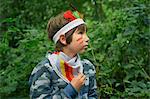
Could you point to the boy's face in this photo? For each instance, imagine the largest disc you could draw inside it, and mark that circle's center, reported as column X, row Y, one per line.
column 79, row 41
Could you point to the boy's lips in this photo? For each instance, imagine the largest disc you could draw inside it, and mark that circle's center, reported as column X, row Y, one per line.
column 86, row 46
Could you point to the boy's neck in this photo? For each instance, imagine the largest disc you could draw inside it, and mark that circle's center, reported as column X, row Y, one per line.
column 69, row 53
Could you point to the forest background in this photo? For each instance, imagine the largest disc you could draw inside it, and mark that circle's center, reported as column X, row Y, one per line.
column 119, row 32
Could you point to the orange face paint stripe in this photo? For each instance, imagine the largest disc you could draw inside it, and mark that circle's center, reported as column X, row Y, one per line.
column 81, row 42
column 79, row 39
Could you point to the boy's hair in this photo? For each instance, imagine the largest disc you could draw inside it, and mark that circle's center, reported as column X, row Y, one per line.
column 55, row 24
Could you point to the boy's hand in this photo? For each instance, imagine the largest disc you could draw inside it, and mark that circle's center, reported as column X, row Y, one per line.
column 78, row 81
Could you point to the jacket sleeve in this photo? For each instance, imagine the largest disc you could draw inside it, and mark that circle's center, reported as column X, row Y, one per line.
column 41, row 86
column 92, row 93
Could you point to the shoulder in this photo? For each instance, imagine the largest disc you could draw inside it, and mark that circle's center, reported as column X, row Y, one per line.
column 44, row 64
column 41, row 68
column 88, row 67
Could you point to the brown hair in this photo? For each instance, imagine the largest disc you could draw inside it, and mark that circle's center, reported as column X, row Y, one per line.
column 55, row 24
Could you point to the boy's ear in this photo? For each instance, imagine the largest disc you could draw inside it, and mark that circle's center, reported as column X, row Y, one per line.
column 63, row 39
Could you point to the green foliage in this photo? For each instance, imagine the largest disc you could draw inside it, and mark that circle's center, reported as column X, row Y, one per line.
column 120, row 50
column 119, row 44
column 18, row 62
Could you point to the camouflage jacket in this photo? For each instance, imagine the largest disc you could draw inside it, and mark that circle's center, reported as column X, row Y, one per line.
column 46, row 84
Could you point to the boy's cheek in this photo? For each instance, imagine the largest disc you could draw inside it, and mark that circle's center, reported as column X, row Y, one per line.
column 80, row 40
column 77, row 46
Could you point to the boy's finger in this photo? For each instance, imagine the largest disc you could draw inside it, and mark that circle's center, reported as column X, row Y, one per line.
column 80, row 75
column 83, row 78
column 83, row 82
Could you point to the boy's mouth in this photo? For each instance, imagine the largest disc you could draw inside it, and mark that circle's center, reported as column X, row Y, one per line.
column 86, row 46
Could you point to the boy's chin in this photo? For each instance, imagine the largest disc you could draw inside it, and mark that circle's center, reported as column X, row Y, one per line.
column 82, row 51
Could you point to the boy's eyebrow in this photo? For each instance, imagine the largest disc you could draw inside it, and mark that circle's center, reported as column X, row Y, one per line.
column 82, row 29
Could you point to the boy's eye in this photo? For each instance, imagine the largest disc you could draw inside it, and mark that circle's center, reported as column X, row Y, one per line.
column 80, row 32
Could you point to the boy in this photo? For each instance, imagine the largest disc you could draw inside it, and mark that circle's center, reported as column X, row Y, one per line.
column 62, row 75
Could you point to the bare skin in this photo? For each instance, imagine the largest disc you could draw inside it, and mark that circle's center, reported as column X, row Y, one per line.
column 79, row 44
column 78, row 81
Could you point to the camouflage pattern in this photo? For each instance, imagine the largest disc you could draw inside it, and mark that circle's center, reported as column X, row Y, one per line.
column 45, row 84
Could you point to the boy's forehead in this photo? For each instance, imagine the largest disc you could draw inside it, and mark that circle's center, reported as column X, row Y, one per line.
column 81, row 28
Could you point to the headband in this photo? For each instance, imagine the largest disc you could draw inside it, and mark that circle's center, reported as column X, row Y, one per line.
column 74, row 21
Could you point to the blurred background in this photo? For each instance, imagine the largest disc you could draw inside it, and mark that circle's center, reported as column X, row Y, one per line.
column 119, row 32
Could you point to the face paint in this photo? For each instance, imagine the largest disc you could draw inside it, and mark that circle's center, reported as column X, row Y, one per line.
column 80, row 40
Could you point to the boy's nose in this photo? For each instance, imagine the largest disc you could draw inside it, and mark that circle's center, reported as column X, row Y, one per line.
column 87, row 38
